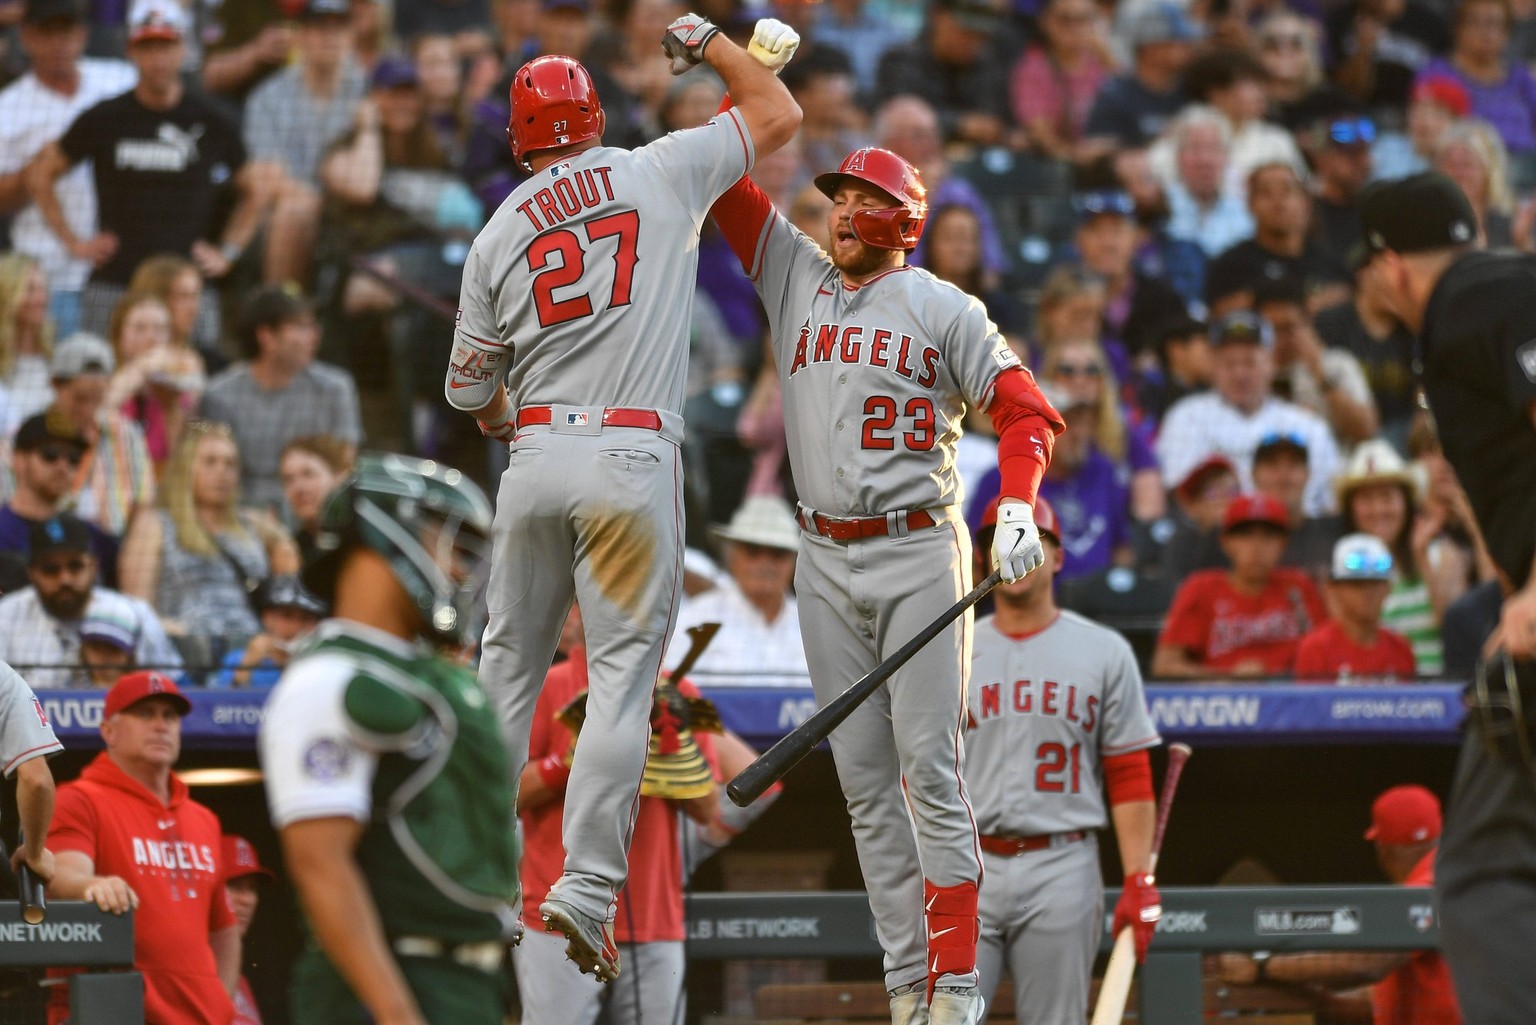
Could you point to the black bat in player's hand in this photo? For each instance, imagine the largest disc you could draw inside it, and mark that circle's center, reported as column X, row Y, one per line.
column 772, row 764
column 34, row 904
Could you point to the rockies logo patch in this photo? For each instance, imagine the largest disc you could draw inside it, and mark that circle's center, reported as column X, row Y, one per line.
column 326, row 759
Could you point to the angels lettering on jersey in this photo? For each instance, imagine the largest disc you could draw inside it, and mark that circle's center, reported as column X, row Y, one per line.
column 868, row 345
column 184, row 864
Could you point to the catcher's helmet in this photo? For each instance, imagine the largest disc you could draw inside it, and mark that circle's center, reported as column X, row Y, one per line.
column 431, row 522
column 554, row 103
column 899, row 226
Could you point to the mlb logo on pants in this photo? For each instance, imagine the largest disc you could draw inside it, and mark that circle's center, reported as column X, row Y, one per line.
column 576, row 419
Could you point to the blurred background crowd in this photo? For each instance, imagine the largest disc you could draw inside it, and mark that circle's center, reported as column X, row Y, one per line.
column 234, row 229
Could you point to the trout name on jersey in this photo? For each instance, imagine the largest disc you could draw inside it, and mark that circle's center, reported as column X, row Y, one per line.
column 567, row 196
column 179, row 855
column 1052, row 699
column 884, row 349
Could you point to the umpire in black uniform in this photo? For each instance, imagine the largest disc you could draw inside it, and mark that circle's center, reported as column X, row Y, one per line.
column 1475, row 315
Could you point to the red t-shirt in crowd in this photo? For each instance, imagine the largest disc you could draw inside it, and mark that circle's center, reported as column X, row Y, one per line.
column 1328, row 653
column 169, row 854
column 1220, row 627
column 1418, row 993
column 650, row 907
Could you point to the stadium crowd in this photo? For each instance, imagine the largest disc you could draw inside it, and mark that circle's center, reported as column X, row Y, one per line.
column 236, row 231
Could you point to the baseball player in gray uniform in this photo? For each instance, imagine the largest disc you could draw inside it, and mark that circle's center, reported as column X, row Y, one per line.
column 571, row 345
column 1057, row 715
column 26, row 739
column 879, row 363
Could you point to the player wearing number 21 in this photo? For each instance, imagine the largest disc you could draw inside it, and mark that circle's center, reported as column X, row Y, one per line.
column 878, row 363
column 1057, row 715
column 572, row 345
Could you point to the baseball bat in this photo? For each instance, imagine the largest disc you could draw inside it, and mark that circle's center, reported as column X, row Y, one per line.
column 34, row 903
column 772, row 764
column 1116, row 987
column 698, row 639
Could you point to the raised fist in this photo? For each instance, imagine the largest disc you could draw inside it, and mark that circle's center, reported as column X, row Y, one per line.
column 773, row 44
column 685, row 39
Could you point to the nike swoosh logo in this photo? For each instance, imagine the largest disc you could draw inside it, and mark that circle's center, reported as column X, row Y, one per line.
column 1019, row 537
column 464, row 384
column 935, row 935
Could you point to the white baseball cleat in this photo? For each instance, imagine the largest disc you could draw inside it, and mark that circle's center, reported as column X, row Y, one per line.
column 953, row 1006
column 590, row 940
column 908, row 1005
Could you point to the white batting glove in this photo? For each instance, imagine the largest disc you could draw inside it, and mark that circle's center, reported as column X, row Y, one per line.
column 1016, row 548
column 685, row 39
column 773, row 44
column 501, row 429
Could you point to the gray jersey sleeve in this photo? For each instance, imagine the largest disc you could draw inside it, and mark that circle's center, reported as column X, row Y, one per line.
column 1126, row 725
column 480, row 359
column 975, row 353
column 701, row 163
column 24, row 729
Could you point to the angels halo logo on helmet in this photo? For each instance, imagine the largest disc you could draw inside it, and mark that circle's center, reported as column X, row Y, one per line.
column 554, row 103
column 895, row 227
column 429, row 521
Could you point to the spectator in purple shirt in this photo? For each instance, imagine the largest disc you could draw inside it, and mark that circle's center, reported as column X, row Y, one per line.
column 1503, row 94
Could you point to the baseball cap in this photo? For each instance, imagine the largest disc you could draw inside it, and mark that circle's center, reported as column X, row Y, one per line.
column 61, row 533
column 50, row 425
column 1103, row 201
column 327, row 9
column 1162, row 23
column 1255, row 508
column 1404, row 815
column 80, row 354
column 1413, row 214
column 393, row 72
column 1374, row 462
column 237, row 857
column 1360, row 557
column 132, row 688
column 286, row 592
column 1243, row 327
column 765, row 520
column 976, row 15
column 110, row 619
column 1443, row 91
column 1280, row 441
column 39, row 11
column 1196, row 478
column 156, row 19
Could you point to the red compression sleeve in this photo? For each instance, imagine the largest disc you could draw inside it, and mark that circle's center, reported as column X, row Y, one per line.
column 742, row 213
column 1026, row 426
column 1128, row 777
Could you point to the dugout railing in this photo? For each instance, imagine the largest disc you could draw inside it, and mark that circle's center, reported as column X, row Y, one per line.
column 1196, row 921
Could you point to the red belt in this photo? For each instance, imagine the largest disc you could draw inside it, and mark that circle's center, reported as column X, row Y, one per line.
column 613, row 416
column 1013, row 846
column 859, row 527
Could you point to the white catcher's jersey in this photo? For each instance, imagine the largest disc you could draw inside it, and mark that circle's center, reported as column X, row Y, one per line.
column 1044, row 711
column 876, row 379
column 580, row 288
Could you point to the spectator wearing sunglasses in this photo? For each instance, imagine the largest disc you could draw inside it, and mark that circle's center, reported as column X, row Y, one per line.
column 1293, row 65
column 1280, row 247
column 1339, row 147
column 40, row 624
column 45, row 458
column 1503, row 93
column 1329, row 382
column 1353, row 646
column 1376, row 47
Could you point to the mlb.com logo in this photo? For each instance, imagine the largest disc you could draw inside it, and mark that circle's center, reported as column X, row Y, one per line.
column 575, row 419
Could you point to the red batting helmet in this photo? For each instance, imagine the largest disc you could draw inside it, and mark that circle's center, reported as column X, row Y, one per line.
column 554, row 103
column 898, row 227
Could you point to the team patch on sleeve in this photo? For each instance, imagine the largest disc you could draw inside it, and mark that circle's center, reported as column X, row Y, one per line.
column 1006, row 358
column 326, row 759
